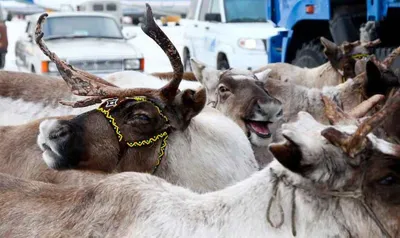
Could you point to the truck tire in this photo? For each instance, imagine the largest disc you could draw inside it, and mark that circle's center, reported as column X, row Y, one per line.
column 310, row 55
column 2, row 60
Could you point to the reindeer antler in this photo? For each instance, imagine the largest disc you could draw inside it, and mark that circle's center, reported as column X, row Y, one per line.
column 86, row 84
column 336, row 115
column 388, row 61
column 153, row 31
column 355, row 143
column 348, row 46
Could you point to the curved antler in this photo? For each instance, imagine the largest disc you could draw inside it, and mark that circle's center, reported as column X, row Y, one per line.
column 70, row 74
column 151, row 29
column 388, row 61
column 355, row 143
column 86, row 84
column 336, row 115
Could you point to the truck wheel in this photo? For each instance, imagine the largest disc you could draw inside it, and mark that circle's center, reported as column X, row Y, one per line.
column 2, row 61
column 310, row 55
column 186, row 61
column 222, row 63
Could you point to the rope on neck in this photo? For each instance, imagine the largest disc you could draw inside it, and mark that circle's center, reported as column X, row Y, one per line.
column 115, row 102
column 357, row 194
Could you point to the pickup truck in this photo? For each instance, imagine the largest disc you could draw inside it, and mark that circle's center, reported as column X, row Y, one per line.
column 228, row 33
column 91, row 41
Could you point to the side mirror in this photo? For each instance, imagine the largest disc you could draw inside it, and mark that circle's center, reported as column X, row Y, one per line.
column 215, row 17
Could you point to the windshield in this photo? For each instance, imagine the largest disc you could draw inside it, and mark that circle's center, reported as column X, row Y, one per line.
column 81, row 27
column 246, row 10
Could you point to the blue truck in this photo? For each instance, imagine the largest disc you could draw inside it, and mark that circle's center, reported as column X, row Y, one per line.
column 306, row 21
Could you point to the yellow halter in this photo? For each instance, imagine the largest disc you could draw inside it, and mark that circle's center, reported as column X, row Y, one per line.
column 106, row 108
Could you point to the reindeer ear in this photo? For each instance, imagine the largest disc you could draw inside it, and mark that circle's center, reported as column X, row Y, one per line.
column 263, row 75
column 373, row 84
column 193, row 102
column 288, row 154
column 331, row 51
column 197, row 68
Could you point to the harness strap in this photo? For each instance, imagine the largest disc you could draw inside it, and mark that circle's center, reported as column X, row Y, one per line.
column 106, row 108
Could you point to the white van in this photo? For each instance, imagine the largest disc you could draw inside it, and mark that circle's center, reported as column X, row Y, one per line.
column 106, row 6
column 228, row 33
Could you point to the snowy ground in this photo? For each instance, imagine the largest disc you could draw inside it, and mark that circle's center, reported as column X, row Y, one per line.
column 155, row 59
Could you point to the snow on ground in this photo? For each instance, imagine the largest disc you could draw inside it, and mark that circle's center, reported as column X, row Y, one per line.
column 155, row 59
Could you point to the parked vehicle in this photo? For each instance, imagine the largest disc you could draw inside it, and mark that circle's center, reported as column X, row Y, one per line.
column 3, row 38
column 90, row 41
column 228, row 33
column 337, row 20
column 112, row 7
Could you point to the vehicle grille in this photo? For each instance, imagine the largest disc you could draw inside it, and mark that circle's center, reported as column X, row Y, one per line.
column 98, row 65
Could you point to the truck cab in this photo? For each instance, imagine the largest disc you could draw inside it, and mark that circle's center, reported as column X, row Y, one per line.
column 227, row 33
column 336, row 20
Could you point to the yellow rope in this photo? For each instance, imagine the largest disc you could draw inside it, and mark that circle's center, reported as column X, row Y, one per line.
column 155, row 138
column 148, row 141
column 112, row 121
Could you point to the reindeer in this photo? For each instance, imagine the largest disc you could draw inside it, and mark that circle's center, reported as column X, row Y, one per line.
column 159, row 131
column 26, row 96
column 240, row 95
column 340, row 67
column 327, row 180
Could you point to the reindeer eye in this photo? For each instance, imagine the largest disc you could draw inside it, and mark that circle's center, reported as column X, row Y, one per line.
column 388, row 180
column 223, row 89
column 141, row 117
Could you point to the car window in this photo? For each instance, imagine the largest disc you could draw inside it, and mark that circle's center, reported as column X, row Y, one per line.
column 111, row 7
column 215, row 7
column 98, row 7
column 204, row 9
column 81, row 26
column 192, row 10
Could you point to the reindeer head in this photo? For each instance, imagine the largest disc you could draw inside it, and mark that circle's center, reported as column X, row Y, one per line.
column 241, row 96
column 344, row 57
column 346, row 161
column 128, row 121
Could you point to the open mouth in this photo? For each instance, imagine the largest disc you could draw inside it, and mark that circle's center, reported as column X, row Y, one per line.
column 260, row 128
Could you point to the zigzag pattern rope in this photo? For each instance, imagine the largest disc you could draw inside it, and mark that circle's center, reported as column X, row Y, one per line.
column 155, row 138
column 148, row 141
column 112, row 121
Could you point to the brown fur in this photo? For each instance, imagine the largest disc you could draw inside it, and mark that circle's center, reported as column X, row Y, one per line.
column 189, row 76
column 21, row 157
column 32, row 87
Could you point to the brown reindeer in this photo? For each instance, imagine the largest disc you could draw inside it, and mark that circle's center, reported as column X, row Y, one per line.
column 160, row 131
column 326, row 181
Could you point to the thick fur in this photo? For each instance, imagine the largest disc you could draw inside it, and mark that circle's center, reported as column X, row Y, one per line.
column 200, row 157
column 240, row 95
column 139, row 205
column 26, row 96
column 318, row 77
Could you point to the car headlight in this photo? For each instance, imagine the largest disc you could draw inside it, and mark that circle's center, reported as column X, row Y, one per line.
column 251, row 44
column 132, row 64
